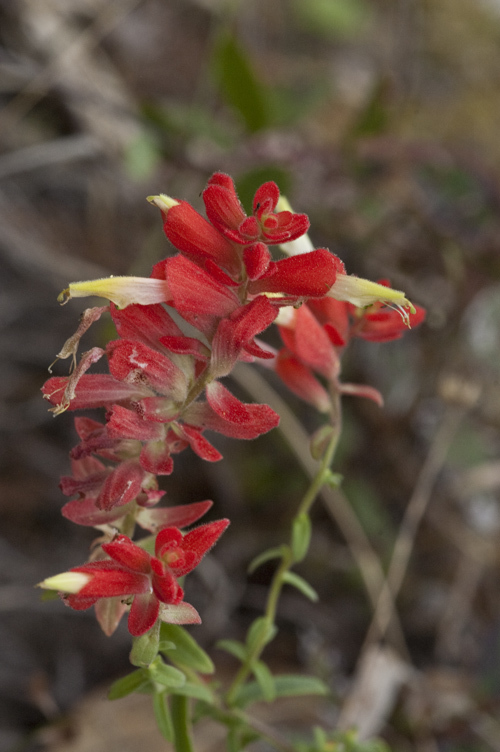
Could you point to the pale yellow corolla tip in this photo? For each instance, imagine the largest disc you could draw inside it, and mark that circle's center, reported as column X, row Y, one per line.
column 363, row 292
column 67, row 582
column 163, row 202
column 122, row 291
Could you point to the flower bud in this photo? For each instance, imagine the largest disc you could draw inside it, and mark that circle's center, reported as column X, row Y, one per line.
column 163, row 202
column 67, row 582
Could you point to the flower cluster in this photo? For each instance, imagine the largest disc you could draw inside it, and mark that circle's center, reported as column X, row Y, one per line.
column 150, row 582
column 164, row 391
column 315, row 335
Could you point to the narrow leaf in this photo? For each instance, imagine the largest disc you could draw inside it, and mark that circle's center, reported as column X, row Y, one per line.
column 239, row 84
column 265, row 680
column 162, row 715
column 187, row 651
column 234, row 648
column 168, row 676
column 301, row 536
column 198, row 691
column 291, row 685
column 334, row 480
column 128, row 684
column 165, row 645
column 272, row 553
column 297, row 581
column 320, row 440
column 260, row 633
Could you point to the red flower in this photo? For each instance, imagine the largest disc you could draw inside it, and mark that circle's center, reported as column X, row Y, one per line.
column 309, row 350
column 150, row 581
column 226, row 214
column 378, row 322
column 381, row 324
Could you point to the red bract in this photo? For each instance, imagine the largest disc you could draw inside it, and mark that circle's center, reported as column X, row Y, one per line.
column 201, row 299
column 305, row 337
column 309, row 275
column 227, row 215
column 309, row 350
column 149, row 581
column 235, row 335
column 224, row 413
column 301, row 381
column 191, row 234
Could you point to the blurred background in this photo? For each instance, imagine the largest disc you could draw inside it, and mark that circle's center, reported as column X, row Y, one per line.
column 378, row 118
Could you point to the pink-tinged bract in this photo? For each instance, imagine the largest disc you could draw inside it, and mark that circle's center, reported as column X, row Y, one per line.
column 135, row 363
column 301, row 381
column 122, row 485
column 93, row 390
column 236, row 333
column 309, row 341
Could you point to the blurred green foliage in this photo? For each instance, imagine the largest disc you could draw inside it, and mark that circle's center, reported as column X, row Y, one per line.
column 238, row 83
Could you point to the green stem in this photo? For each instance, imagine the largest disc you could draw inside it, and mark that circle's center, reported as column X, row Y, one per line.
column 181, row 724
column 323, row 473
column 287, row 561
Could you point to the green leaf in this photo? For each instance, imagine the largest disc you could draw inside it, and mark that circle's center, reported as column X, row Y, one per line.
column 320, row 440
column 320, row 737
column 233, row 648
column 49, row 595
column 290, row 685
column 301, row 536
column 239, row 737
column 145, row 648
column 238, row 83
column 128, row 684
column 265, row 680
column 198, row 691
column 165, row 645
column 292, row 104
column 374, row 116
column 297, row 581
column 162, row 715
column 334, row 480
column 332, row 19
column 142, row 156
column 188, row 121
column 187, row 653
column 271, row 553
column 168, row 676
column 260, row 633
column 233, row 741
